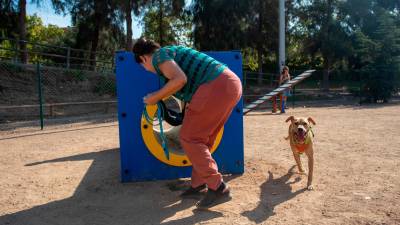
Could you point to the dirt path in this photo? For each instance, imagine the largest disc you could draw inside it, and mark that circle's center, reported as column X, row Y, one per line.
column 70, row 175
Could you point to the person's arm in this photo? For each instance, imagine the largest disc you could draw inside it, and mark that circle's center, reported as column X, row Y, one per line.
column 176, row 80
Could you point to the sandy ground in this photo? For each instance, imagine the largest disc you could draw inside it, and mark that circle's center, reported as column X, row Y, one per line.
column 70, row 175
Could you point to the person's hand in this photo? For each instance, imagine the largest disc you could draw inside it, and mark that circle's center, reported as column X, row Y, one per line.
column 150, row 99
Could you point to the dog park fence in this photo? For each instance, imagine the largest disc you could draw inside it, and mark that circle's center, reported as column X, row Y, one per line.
column 39, row 92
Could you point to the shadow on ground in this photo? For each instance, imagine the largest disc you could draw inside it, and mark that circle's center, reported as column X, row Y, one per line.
column 274, row 191
column 101, row 198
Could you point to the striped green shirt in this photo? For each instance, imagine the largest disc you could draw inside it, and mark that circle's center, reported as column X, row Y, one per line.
column 198, row 67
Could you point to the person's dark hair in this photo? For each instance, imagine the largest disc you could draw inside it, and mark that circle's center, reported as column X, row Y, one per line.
column 144, row 47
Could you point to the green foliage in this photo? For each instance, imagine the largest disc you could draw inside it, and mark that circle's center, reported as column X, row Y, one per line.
column 166, row 22
column 250, row 59
column 47, row 36
column 39, row 33
column 8, row 18
column 219, row 24
column 99, row 26
column 361, row 36
column 8, row 28
column 319, row 25
column 250, row 26
column 377, row 55
column 7, row 54
column 357, row 39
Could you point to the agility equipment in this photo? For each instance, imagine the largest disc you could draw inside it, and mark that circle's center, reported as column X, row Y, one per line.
column 142, row 154
column 277, row 91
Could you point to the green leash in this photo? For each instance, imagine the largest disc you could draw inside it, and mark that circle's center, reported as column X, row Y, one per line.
column 160, row 116
column 308, row 136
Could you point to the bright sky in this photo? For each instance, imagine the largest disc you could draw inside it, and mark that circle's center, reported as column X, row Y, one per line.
column 46, row 12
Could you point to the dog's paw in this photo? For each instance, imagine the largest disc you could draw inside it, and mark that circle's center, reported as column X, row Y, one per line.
column 310, row 187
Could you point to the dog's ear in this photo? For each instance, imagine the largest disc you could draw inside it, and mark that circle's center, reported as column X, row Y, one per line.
column 310, row 120
column 291, row 118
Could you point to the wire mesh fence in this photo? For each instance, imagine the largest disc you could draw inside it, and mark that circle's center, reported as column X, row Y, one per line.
column 342, row 86
column 33, row 92
column 17, row 89
column 43, row 92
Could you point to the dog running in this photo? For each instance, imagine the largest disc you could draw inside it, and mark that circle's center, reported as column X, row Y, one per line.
column 301, row 136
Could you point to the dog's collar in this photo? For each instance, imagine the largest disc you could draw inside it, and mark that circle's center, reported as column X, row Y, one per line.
column 308, row 139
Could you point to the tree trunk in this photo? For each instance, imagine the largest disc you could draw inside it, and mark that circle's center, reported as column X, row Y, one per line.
column 93, row 49
column 275, row 77
column 128, row 15
column 259, row 44
column 260, row 65
column 326, row 54
column 325, row 81
column 160, row 22
column 22, row 31
column 99, row 10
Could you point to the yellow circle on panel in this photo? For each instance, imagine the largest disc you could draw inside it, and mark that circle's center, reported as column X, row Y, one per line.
column 153, row 145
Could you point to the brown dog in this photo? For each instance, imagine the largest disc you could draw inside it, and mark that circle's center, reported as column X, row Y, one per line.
column 301, row 141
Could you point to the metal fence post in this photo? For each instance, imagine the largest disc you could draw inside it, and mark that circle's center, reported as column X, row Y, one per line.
column 39, row 78
column 272, row 80
column 294, row 96
column 16, row 53
column 68, row 56
column 360, row 88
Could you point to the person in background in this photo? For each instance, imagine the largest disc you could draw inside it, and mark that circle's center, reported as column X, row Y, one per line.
column 284, row 78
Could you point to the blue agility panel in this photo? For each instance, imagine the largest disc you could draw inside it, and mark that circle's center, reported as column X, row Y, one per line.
column 138, row 162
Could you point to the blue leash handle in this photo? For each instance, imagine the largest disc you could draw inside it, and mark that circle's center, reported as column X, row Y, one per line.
column 160, row 116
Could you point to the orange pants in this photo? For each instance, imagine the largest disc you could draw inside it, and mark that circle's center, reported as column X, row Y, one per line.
column 281, row 98
column 205, row 115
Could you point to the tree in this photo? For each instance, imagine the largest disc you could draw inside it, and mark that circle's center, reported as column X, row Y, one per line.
column 172, row 28
column 219, row 24
column 92, row 18
column 47, row 37
column 22, row 30
column 262, row 31
column 251, row 26
column 127, row 7
column 13, row 17
column 376, row 43
column 128, row 17
column 166, row 22
column 320, row 24
column 9, row 18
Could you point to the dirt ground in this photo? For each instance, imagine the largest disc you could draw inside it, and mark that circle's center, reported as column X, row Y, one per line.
column 70, row 175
